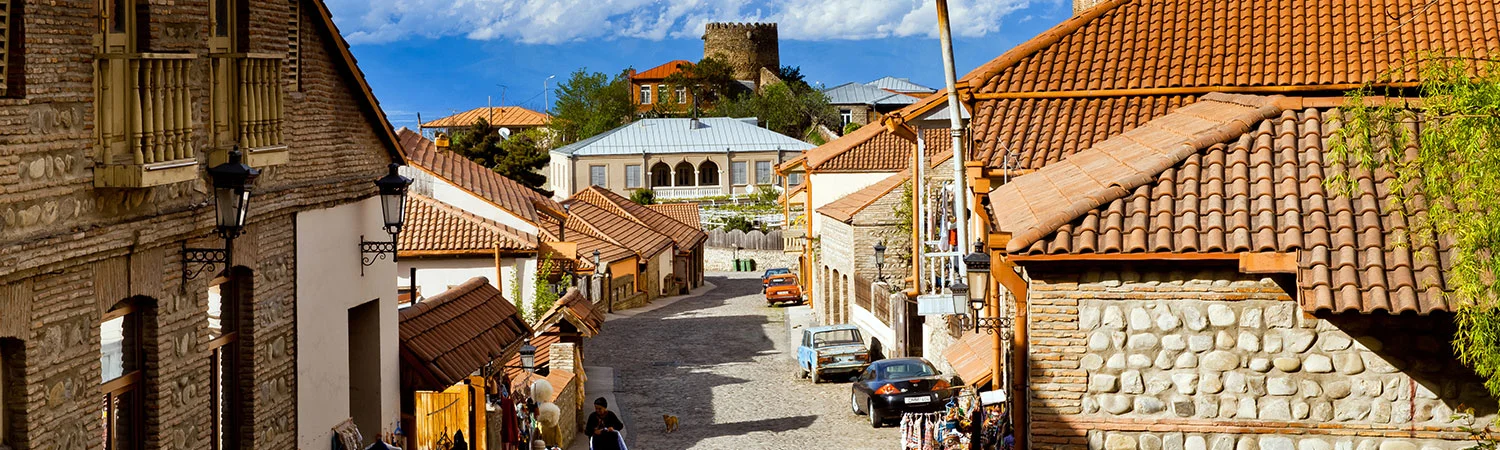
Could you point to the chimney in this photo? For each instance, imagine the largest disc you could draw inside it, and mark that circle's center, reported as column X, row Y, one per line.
column 1081, row 6
column 695, row 124
column 563, row 356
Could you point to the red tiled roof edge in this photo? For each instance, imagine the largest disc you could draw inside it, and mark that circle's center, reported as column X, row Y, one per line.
column 1028, row 225
column 976, row 78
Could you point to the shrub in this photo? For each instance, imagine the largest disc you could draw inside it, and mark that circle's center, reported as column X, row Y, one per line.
column 643, row 196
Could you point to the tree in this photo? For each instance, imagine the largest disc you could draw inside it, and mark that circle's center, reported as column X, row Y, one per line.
column 1452, row 174
column 782, row 109
column 707, row 81
column 589, row 104
column 643, row 196
column 518, row 157
column 741, row 223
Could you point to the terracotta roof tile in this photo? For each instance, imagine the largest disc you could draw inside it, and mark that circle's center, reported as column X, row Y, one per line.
column 618, row 230
column 1262, row 191
column 686, row 212
column 452, row 334
column 1036, row 132
column 846, row 207
column 433, row 226
column 468, row 175
column 686, row 237
column 661, row 72
column 873, row 149
column 609, row 252
column 499, row 116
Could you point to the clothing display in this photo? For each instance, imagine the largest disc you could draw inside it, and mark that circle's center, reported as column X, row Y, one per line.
column 963, row 425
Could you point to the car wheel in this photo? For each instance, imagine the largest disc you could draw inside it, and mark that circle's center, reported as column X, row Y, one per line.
column 815, row 377
column 875, row 420
column 801, row 372
column 854, row 404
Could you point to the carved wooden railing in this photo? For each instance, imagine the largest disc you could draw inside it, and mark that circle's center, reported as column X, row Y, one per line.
column 145, row 119
column 260, row 115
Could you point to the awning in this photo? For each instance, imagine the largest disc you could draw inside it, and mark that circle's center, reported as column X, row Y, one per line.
column 972, row 356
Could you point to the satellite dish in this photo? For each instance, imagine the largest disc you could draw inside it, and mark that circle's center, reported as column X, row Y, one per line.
column 505, row 133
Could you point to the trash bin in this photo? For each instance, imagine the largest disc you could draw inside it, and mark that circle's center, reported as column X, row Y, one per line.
column 750, row 264
column 739, row 266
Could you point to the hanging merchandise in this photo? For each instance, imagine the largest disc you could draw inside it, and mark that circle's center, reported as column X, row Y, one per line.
column 964, row 424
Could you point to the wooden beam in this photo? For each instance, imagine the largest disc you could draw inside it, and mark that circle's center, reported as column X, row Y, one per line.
column 1268, row 262
column 1187, row 90
column 998, row 240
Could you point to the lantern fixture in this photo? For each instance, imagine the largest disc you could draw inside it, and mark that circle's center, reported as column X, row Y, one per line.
column 978, row 265
column 880, row 261
column 232, row 182
column 528, row 356
column 596, row 261
column 393, row 189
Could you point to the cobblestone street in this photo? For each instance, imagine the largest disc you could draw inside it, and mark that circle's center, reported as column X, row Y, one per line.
column 722, row 362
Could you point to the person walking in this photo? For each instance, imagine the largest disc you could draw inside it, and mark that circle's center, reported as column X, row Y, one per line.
column 604, row 428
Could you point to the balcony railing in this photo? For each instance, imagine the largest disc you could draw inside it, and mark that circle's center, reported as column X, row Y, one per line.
column 681, row 192
column 248, row 106
column 145, row 120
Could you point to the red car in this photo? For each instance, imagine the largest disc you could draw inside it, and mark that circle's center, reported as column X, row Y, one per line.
column 783, row 288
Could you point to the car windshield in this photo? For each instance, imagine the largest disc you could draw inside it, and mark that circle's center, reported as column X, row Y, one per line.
column 777, row 271
column 782, row 281
column 836, row 337
column 906, row 369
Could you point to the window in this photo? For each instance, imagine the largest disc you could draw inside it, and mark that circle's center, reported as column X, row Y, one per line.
column 6, row 76
column 762, row 172
column 122, row 364
column 294, row 45
column 646, row 95
column 225, row 301
column 661, row 175
column 847, row 116
column 632, row 176
column 708, row 174
column 737, row 173
column 794, row 178
column 597, row 175
column 681, row 94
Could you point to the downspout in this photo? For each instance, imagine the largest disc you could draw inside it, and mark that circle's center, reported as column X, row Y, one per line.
column 1006, row 274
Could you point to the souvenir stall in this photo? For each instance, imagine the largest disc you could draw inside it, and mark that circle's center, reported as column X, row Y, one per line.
column 971, row 421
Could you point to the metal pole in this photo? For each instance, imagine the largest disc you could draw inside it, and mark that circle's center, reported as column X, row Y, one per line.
column 956, row 121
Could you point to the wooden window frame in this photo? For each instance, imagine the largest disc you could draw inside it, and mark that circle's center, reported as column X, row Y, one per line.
column 224, row 368
column 129, row 387
column 645, row 95
column 770, row 173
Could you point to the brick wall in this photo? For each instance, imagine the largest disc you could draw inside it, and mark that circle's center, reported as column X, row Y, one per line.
column 1124, row 359
column 73, row 250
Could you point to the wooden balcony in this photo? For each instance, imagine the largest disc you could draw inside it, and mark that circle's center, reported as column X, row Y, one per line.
column 247, row 107
column 145, row 120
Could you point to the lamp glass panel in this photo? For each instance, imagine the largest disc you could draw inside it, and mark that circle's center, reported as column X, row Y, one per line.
column 230, row 206
column 393, row 206
column 979, row 284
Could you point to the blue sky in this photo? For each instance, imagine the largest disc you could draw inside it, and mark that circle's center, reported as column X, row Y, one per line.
column 440, row 56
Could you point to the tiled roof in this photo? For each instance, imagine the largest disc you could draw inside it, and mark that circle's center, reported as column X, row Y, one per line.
column 872, row 148
column 971, row 357
column 791, row 194
column 600, row 223
column 435, row 227
column 686, row 237
column 669, row 136
column 609, row 252
column 1038, row 132
column 1263, row 191
column 452, row 334
column 1242, row 44
column 573, row 308
column 468, row 175
column 499, row 116
column 661, row 72
column 846, row 207
column 901, row 85
column 686, row 212
column 1036, row 204
column 860, row 94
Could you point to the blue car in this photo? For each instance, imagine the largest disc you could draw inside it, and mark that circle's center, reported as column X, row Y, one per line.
column 831, row 349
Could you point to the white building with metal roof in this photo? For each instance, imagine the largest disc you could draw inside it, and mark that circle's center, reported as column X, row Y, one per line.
column 676, row 158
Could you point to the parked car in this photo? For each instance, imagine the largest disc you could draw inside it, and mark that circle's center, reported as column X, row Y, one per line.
column 765, row 279
column 893, row 386
column 783, row 288
column 831, row 349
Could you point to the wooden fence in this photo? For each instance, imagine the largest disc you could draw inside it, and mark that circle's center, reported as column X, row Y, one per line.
column 753, row 240
column 440, row 414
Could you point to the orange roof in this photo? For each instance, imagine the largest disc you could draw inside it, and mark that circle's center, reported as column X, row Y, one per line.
column 880, row 151
column 661, row 72
column 505, row 193
column 499, row 116
column 972, row 357
column 846, row 207
column 791, row 194
column 452, row 334
column 686, row 212
column 684, row 236
column 609, row 252
column 435, row 227
column 600, row 223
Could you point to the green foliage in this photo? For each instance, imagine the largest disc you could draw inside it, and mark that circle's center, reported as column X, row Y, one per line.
column 783, row 109
column 706, row 81
column 850, row 128
column 1454, row 174
column 814, row 137
column 766, row 194
column 643, row 196
column 518, row 157
column 544, row 298
column 903, row 210
column 741, row 223
column 591, row 103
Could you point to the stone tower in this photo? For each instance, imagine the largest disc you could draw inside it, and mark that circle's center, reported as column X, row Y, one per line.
column 1079, row 6
column 747, row 47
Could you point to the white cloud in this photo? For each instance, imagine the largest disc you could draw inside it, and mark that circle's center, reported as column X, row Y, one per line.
column 556, row 21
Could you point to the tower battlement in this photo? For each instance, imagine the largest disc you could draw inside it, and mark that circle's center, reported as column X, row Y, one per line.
column 746, row 47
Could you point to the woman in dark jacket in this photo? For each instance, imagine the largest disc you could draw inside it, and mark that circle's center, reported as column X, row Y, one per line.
column 604, row 427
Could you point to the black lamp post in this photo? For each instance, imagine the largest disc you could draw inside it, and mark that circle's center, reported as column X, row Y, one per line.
column 880, row 261
column 393, row 211
column 978, row 265
column 232, row 182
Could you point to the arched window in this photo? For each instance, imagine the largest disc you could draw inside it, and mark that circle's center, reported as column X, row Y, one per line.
column 708, row 173
column 122, row 360
column 661, row 175
column 227, row 304
column 685, row 175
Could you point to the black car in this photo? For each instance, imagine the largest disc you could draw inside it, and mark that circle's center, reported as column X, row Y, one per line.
column 890, row 387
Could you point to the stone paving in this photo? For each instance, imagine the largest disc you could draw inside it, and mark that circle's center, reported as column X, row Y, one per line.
column 722, row 363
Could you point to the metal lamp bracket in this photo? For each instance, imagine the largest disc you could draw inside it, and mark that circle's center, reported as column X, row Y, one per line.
column 204, row 259
column 371, row 251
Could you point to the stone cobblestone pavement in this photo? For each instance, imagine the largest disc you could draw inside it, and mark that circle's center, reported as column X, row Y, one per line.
column 722, row 363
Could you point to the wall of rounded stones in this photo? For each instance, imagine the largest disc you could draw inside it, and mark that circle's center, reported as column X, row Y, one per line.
column 1111, row 440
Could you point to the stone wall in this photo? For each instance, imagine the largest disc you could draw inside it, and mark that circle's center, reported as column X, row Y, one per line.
column 1230, row 360
column 722, row 259
column 746, row 47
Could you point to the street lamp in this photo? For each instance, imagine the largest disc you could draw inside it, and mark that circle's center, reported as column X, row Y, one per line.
column 880, row 261
column 978, row 264
column 393, row 188
column 232, row 182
